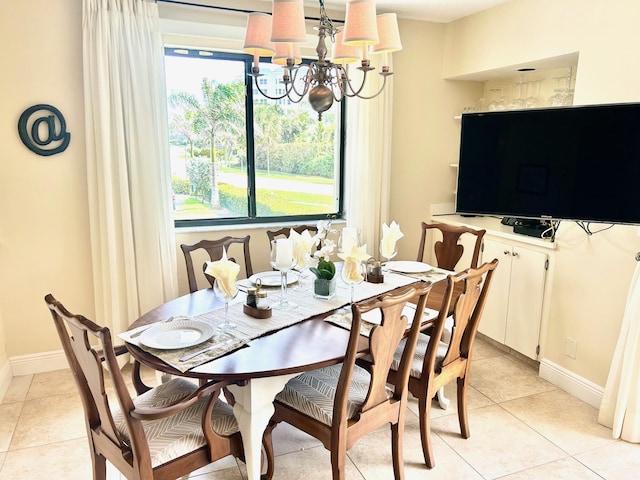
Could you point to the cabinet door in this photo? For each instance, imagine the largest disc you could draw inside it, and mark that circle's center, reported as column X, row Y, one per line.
column 494, row 318
column 525, row 300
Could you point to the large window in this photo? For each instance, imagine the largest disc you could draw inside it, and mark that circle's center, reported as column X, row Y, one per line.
column 239, row 157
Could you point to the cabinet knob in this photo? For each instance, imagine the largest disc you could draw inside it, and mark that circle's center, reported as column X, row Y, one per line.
column 515, row 254
column 507, row 252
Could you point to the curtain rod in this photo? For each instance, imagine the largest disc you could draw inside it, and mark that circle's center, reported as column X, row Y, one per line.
column 228, row 9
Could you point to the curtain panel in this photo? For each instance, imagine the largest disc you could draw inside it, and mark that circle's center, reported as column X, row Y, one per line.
column 129, row 183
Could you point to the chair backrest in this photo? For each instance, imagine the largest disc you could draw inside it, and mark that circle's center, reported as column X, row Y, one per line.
column 285, row 231
column 448, row 251
column 467, row 306
column 214, row 248
column 85, row 361
column 134, row 456
column 383, row 342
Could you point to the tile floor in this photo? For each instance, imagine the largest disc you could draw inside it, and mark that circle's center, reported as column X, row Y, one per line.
column 522, row 427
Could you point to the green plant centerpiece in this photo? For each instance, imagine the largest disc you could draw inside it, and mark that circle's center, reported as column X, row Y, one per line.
column 324, row 285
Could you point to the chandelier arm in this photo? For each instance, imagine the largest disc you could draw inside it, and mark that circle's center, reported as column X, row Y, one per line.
column 307, row 82
column 264, row 94
column 365, row 97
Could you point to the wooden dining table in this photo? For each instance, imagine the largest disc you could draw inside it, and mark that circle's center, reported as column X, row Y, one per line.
column 258, row 372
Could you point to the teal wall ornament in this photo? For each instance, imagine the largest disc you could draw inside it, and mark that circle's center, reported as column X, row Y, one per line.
column 43, row 126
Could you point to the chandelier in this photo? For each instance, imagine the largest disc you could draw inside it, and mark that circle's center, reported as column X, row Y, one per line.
column 324, row 80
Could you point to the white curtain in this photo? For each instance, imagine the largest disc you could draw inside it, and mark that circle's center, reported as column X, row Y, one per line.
column 368, row 161
column 620, row 407
column 132, row 238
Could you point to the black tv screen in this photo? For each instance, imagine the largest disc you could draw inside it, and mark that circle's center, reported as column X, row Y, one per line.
column 571, row 163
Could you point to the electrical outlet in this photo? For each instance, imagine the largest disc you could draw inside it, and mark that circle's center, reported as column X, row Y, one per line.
column 570, row 347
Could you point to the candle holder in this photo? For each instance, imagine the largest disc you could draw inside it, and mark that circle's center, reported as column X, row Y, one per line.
column 282, row 260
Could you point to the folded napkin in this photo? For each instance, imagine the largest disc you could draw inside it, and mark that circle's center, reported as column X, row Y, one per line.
column 302, row 243
column 225, row 272
column 351, row 270
column 390, row 235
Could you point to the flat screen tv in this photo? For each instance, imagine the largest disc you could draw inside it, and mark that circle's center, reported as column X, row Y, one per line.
column 568, row 163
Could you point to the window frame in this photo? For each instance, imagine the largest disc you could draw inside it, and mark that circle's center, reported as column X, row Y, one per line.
column 252, row 218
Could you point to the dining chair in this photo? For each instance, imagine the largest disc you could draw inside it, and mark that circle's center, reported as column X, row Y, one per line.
column 164, row 432
column 449, row 250
column 214, row 249
column 341, row 403
column 285, row 231
column 436, row 363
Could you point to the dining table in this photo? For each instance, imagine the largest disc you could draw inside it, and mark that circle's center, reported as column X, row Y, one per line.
column 261, row 355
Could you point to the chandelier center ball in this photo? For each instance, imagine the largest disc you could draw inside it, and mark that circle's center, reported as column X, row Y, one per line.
column 321, row 98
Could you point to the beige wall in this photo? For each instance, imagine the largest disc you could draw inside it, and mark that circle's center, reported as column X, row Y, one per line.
column 44, row 225
column 592, row 274
column 44, row 236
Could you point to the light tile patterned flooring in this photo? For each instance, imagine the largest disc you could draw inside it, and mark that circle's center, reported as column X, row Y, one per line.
column 522, row 427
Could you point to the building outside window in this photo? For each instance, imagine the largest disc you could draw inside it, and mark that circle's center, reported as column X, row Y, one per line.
column 243, row 158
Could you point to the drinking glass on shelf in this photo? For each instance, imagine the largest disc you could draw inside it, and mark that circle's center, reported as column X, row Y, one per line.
column 557, row 99
column 282, row 260
column 533, row 94
column 226, row 297
column 353, row 274
column 497, row 102
column 518, row 102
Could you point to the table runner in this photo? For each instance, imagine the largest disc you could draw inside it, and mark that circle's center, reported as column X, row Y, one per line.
column 249, row 328
column 343, row 318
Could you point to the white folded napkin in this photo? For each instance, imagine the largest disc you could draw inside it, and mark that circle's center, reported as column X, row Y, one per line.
column 302, row 244
column 225, row 272
column 351, row 270
column 390, row 235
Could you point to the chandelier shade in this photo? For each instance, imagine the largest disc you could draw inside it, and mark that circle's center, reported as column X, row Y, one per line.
column 257, row 40
column 360, row 26
column 326, row 79
column 284, row 51
column 388, row 33
column 288, row 22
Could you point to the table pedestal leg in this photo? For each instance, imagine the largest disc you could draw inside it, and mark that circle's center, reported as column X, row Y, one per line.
column 253, row 409
column 442, row 400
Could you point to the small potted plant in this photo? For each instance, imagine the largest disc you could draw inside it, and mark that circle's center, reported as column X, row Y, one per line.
column 324, row 285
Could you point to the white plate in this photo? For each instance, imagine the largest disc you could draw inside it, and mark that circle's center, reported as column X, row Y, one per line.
column 177, row 334
column 272, row 279
column 409, row 267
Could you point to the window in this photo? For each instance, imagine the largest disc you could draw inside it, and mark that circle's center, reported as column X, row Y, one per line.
column 239, row 158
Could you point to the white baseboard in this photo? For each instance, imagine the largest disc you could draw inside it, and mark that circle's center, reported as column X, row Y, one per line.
column 568, row 381
column 5, row 378
column 38, row 363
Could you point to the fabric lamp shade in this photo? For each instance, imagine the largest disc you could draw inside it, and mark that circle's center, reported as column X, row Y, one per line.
column 388, row 33
column 287, row 50
column 257, row 40
column 288, row 21
column 343, row 54
column 361, row 28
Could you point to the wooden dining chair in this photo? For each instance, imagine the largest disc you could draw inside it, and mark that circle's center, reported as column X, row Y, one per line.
column 436, row 363
column 341, row 403
column 285, row 231
column 449, row 250
column 214, row 249
column 164, row 433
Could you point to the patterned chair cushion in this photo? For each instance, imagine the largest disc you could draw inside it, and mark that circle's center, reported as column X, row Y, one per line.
column 178, row 434
column 313, row 392
column 418, row 356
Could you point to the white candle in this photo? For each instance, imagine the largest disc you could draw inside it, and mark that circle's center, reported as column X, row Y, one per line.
column 284, row 253
column 349, row 239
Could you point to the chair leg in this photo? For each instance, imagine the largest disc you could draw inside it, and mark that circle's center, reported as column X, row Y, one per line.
column 338, row 460
column 397, row 453
column 267, row 444
column 99, row 467
column 424, row 411
column 462, row 407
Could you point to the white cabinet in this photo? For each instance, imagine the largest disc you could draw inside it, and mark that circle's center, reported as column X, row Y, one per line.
column 513, row 312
